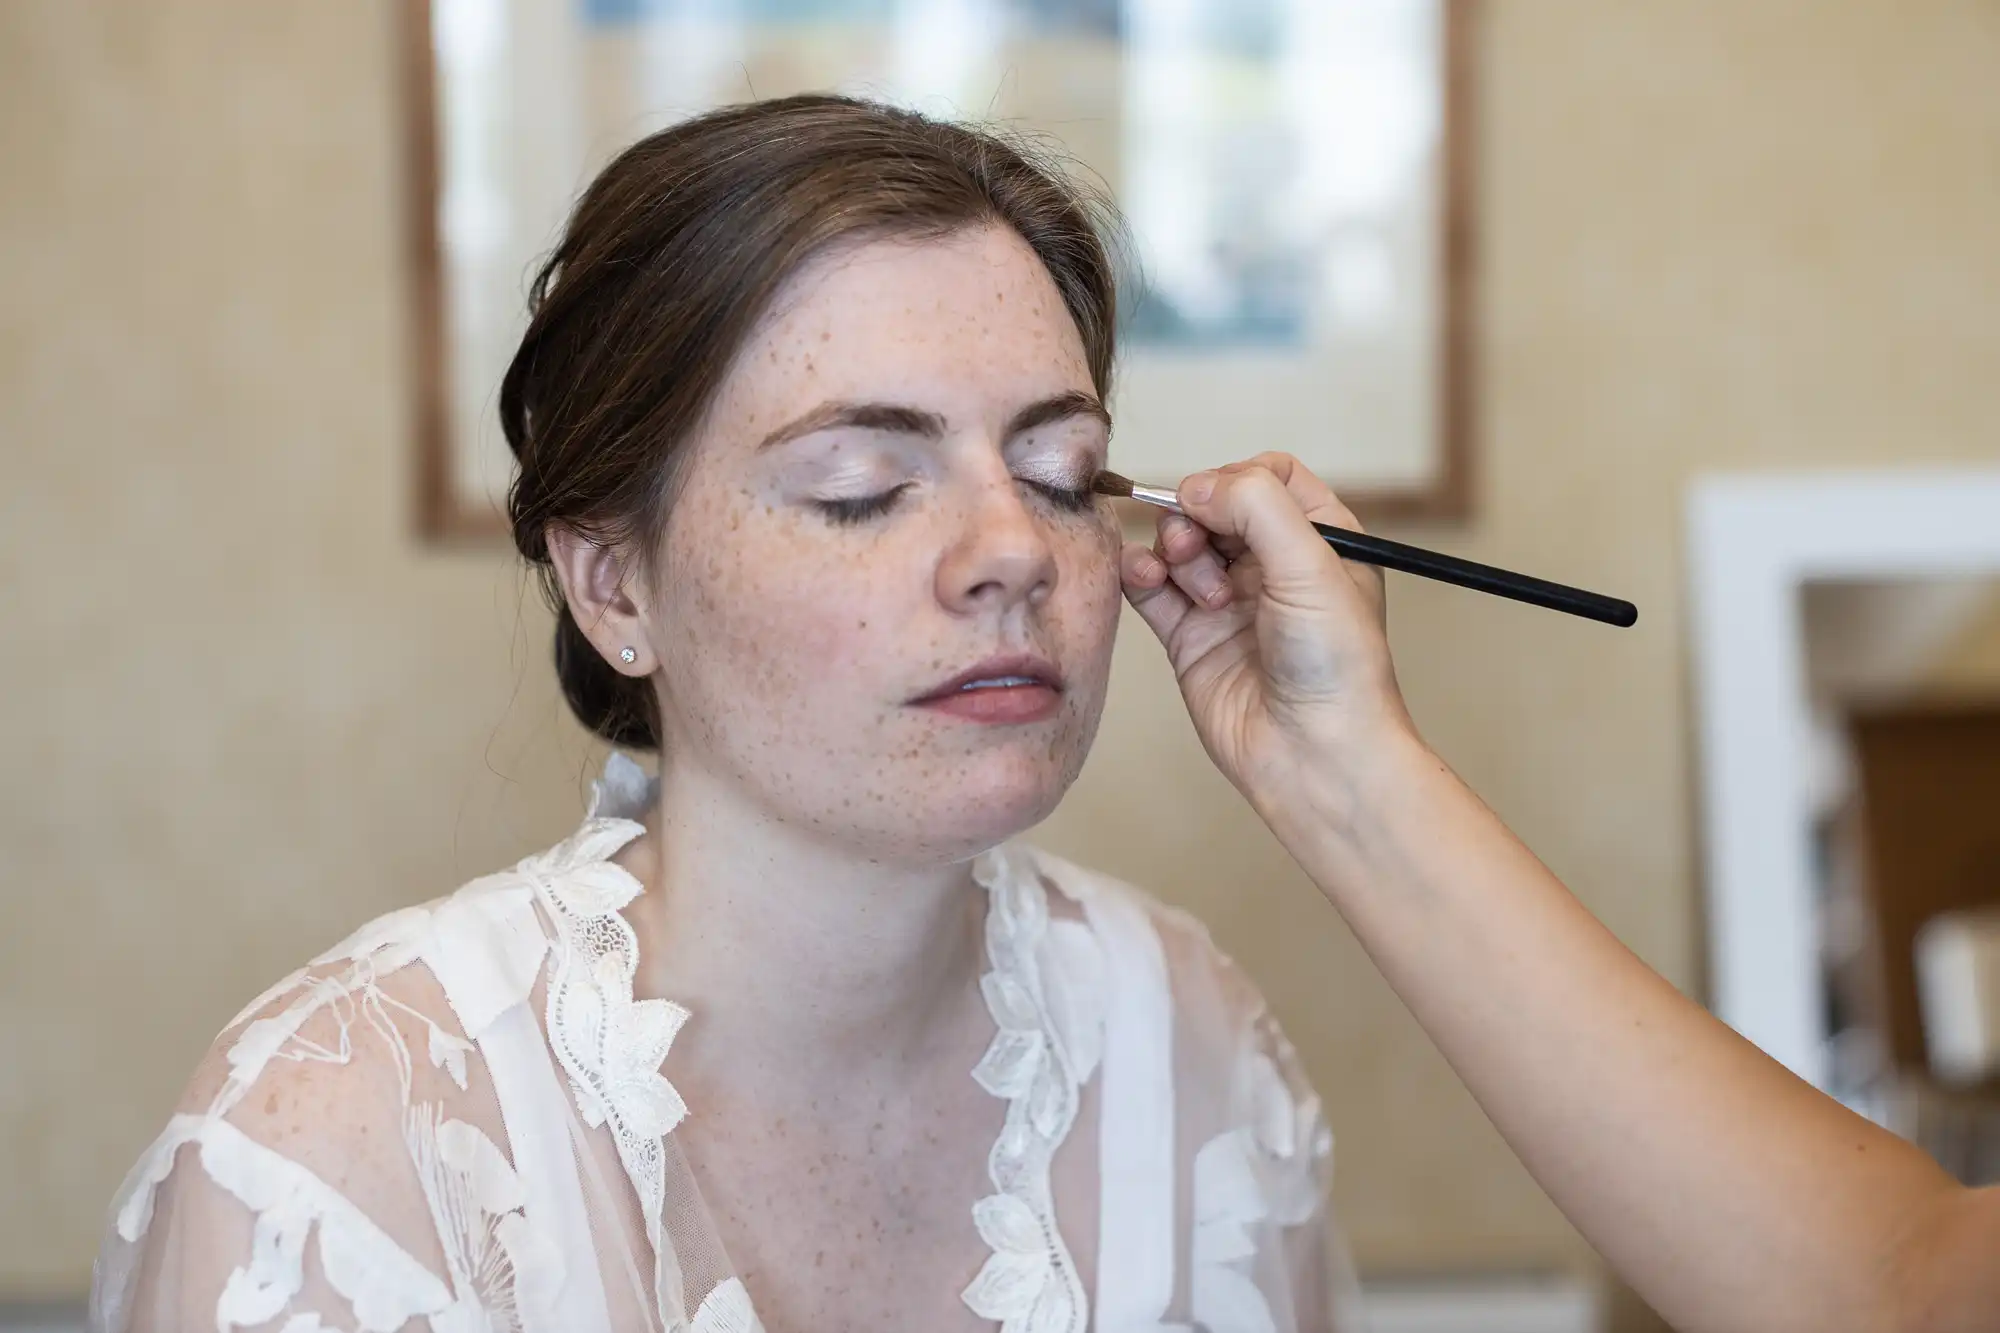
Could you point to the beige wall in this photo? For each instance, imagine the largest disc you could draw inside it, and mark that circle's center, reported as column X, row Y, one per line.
column 233, row 691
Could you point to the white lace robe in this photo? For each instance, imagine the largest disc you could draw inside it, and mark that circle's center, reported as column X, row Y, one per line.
column 503, row 1154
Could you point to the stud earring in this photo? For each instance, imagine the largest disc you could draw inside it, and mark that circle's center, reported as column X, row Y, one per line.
column 628, row 655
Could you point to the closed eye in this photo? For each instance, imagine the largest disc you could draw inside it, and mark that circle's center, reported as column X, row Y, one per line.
column 1069, row 499
column 862, row 508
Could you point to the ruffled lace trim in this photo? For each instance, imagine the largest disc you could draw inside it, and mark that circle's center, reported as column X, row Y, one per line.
column 1044, row 990
column 610, row 1045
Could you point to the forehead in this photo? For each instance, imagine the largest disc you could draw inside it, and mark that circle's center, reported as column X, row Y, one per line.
column 969, row 322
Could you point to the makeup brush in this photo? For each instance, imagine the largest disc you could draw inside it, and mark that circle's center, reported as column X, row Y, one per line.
column 1416, row 560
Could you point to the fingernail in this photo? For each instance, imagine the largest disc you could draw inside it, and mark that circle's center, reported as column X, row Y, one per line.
column 1198, row 487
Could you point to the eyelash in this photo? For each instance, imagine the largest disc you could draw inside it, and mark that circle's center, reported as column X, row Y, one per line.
column 1074, row 501
column 856, row 511
column 848, row 512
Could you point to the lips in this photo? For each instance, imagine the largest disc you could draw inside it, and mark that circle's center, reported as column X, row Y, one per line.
column 999, row 691
column 1019, row 671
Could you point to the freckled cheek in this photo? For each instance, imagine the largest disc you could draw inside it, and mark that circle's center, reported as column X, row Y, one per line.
column 1089, row 600
column 794, row 634
column 1089, row 576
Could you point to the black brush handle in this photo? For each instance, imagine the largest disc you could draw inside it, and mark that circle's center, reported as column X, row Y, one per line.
column 1480, row 578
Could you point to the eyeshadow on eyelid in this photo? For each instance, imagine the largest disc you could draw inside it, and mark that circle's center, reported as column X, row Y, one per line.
column 1073, row 476
column 840, row 468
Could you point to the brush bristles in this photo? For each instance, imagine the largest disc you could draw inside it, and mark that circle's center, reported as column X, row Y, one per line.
column 1110, row 483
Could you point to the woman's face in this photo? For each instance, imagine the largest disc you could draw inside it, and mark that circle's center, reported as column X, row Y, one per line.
column 887, row 597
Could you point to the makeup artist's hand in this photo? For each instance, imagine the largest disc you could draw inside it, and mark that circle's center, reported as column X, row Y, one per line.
column 1751, row 1200
column 1756, row 1203
column 1278, row 643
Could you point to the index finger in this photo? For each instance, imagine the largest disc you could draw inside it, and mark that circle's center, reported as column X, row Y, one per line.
column 1251, row 509
column 1314, row 496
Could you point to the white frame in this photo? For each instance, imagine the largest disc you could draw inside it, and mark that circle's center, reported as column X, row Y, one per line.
column 1753, row 542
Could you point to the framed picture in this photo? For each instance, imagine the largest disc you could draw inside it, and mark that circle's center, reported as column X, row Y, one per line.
column 1295, row 176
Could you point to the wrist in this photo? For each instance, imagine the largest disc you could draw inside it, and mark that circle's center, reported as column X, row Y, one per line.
column 1338, row 799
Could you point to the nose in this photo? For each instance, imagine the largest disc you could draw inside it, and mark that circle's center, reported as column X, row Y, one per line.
column 1000, row 558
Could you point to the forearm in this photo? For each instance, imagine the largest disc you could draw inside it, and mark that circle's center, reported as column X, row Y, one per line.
column 1731, row 1195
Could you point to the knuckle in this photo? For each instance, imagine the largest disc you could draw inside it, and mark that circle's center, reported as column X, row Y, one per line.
column 1262, row 480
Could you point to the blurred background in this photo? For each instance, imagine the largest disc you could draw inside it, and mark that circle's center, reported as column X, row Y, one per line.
column 245, row 706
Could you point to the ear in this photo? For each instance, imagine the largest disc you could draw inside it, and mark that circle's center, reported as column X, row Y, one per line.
column 596, row 582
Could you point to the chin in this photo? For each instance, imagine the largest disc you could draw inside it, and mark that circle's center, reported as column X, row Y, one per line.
column 987, row 803
column 1005, row 801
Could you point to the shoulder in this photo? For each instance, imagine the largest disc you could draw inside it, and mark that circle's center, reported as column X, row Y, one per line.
column 1127, row 917
column 460, row 959
column 1235, row 1071
column 415, row 988
column 1196, row 1071
column 321, row 1066
column 1158, row 957
column 351, row 1101
column 337, row 1104
column 318, row 1070
column 295, row 1124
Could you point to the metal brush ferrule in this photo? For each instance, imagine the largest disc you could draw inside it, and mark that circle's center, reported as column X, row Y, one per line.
column 1157, row 496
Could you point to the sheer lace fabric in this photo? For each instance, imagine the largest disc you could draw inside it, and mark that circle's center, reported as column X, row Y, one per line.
column 461, row 1119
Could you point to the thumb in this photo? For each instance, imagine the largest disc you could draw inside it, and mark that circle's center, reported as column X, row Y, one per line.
column 1250, row 509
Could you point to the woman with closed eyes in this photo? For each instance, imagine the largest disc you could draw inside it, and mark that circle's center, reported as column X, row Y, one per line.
column 791, row 1033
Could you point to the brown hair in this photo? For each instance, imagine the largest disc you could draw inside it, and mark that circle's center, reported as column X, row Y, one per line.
column 671, row 257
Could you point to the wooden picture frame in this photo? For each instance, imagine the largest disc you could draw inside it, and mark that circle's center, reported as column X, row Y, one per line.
column 449, row 510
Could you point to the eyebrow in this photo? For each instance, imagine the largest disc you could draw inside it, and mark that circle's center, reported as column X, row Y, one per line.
column 1068, row 404
column 901, row 419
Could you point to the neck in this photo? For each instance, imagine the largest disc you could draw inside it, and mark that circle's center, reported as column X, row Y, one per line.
column 805, row 965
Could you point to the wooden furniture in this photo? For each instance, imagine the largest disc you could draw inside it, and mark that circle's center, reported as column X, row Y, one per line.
column 1928, row 826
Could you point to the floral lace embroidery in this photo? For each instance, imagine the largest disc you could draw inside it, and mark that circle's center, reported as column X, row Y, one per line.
column 1043, row 988
column 378, row 1278
column 1050, row 1034
column 499, row 1263
column 495, row 1259
column 1270, row 1169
